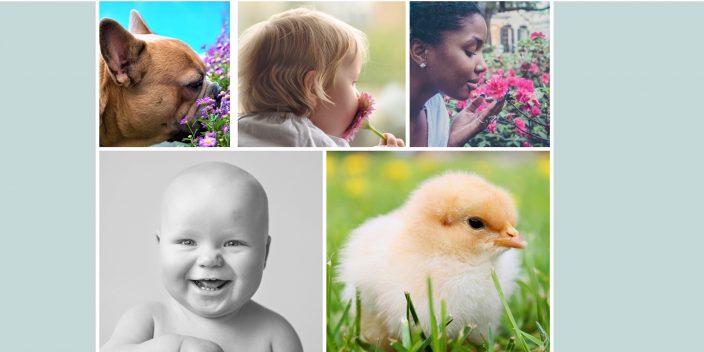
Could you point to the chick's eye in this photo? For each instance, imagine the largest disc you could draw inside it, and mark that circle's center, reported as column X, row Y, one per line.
column 475, row 223
column 186, row 242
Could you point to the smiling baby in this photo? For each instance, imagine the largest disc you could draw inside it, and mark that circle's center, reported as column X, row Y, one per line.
column 213, row 246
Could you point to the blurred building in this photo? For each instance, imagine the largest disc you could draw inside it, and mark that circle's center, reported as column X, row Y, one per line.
column 507, row 28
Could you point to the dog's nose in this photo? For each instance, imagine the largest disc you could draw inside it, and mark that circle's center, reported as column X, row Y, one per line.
column 212, row 90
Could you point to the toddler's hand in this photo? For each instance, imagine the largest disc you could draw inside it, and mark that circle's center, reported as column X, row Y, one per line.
column 391, row 141
column 194, row 344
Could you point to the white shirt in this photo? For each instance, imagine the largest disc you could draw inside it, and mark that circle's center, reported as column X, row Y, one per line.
column 283, row 129
column 438, row 121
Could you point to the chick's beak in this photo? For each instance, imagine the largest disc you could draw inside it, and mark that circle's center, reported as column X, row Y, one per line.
column 511, row 239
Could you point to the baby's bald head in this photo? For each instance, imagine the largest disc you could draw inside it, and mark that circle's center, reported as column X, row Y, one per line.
column 217, row 187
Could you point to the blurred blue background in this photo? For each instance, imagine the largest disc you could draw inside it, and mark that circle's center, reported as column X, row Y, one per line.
column 196, row 23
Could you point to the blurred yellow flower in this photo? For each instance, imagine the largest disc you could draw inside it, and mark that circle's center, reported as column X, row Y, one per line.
column 427, row 163
column 516, row 200
column 356, row 163
column 544, row 166
column 483, row 168
column 396, row 170
column 355, row 187
column 330, row 162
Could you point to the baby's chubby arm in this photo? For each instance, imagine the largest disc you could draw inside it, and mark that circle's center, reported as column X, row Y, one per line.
column 135, row 333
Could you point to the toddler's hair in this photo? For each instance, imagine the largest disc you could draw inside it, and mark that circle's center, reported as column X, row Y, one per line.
column 275, row 55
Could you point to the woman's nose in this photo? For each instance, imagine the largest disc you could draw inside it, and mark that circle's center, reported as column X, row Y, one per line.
column 481, row 66
column 209, row 258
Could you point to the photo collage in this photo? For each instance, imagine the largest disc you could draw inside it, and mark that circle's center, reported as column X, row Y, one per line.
column 386, row 184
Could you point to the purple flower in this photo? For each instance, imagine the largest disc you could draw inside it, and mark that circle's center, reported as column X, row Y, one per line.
column 183, row 120
column 207, row 141
column 205, row 101
column 226, row 129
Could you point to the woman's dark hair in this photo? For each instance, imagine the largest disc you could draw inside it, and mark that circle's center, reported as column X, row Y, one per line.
column 430, row 18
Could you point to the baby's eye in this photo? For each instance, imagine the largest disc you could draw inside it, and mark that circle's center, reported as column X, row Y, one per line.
column 186, row 242
column 475, row 223
column 234, row 243
column 470, row 53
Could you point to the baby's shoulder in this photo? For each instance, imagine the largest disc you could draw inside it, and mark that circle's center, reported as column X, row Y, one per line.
column 282, row 335
column 136, row 325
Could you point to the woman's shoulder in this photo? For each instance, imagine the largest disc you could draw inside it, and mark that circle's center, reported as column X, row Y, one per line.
column 438, row 121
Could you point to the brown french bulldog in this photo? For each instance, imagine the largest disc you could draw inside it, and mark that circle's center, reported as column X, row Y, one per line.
column 148, row 83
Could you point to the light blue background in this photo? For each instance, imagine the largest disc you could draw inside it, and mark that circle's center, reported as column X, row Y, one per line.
column 628, row 127
column 628, row 175
column 47, row 176
column 195, row 23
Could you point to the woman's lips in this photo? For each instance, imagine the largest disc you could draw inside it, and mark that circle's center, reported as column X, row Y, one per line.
column 472, row 85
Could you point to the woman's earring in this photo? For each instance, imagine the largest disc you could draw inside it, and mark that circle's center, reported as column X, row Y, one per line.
column 422, row 65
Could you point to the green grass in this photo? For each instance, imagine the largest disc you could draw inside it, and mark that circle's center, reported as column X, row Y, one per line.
column 363, row 185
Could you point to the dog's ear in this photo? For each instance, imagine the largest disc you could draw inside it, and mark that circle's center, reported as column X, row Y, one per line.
column 137, row 24
column 121, row 52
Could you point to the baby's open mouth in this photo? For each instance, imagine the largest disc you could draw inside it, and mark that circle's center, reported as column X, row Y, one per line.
column 210, row 284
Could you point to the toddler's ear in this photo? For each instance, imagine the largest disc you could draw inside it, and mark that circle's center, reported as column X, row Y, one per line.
column 309, row 87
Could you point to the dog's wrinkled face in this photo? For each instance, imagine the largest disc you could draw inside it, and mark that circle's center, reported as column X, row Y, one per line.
column 153, row 83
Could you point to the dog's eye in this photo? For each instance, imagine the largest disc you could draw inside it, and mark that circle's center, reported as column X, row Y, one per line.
column 475, row 223
column 195, row 85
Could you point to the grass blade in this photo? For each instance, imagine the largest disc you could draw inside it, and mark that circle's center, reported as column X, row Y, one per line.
column 435, row 342
column 517, row 330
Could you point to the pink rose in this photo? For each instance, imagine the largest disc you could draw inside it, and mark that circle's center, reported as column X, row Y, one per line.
column 491, row 127
column 537, row 35
column 534, row 111
column 496, row 87
column 545, row 79
column 461, row 104
column 533, row 69
column 520, row 126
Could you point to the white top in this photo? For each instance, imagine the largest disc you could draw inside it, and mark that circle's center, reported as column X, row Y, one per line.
column 438, row 121
column 283, row 129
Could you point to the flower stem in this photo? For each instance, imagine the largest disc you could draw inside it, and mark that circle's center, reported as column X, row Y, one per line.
column 381, row 135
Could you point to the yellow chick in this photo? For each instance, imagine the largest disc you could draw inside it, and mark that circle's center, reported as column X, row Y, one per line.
column 454, row 229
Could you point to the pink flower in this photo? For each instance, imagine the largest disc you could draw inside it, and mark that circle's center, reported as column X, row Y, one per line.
column 537, row 35
column 534, row 111
column 482, row 107
column 500, row 72
column 520, row 126
column 526, row 85
column 491, row 127
column 461, row 104
column 496, row 87
column 545, row 79
column 523, row 96
column 511, row 73
column 533, row 69
column 526, row 144
column 361, row 119
column 364, row 109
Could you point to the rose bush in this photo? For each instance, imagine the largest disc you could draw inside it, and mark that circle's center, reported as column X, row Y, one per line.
column 523, row 79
